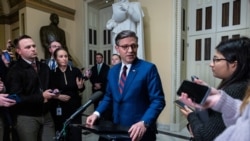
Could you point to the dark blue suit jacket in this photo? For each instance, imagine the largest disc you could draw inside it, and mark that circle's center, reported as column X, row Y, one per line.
column 142, row 98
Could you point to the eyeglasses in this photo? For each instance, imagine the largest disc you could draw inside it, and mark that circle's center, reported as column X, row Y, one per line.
column 218, row 60
column 56, row 46
column 125, row 47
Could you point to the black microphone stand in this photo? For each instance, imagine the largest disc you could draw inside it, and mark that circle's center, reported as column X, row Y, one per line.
column 62, row 133
column 67, row 122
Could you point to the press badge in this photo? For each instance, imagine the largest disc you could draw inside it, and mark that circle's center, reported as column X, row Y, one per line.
column 58, row 111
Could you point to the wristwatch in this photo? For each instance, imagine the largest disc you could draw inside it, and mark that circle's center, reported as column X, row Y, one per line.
column 145, row 124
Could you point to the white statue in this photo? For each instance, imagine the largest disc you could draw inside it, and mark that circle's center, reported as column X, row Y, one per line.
column 127, row 16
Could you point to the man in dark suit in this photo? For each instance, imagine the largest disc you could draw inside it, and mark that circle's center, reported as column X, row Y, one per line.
column 99, row 75
column 135, row 93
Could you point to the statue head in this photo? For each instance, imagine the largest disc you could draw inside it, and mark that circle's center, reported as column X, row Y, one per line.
column 54, row 18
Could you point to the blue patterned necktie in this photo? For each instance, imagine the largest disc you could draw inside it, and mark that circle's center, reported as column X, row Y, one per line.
column 123, row 79
column 53, row 64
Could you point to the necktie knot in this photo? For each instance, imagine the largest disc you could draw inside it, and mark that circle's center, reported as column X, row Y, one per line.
column 124, row 70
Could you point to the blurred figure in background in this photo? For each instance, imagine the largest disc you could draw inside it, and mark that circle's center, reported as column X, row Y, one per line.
column 98, row 78
column 115, row 59
column 6, row 61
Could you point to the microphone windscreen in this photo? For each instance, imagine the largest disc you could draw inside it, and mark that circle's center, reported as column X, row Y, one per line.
column 95, row 96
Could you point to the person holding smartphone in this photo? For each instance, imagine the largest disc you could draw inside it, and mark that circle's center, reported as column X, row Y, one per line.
column 69, row 82
column 4, row 102
column 6, row 61
column 230, row 64
column 236, row 121
column 29, row 80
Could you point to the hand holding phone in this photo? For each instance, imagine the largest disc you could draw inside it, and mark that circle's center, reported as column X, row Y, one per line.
column 56, row 91
column 181, row 105
column 14, row 97
column 198, row 93
column 7, row 56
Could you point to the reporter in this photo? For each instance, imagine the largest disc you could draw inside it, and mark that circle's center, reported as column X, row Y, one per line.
column 69, row 81
column 231, row 64
column 8, row 132
column 235, row 113
column 29, row 80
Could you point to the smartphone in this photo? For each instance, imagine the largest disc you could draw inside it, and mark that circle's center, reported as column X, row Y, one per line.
column 198, row 93
column 56, row 91
column 14, row 97
column 181, row 105
column 194, row 77
column 7, row 56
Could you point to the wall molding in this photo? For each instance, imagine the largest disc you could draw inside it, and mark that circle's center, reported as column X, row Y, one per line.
column 51, row 7
column 42, row 5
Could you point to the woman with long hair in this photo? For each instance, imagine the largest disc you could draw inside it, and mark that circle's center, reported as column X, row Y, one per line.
column 230, row 64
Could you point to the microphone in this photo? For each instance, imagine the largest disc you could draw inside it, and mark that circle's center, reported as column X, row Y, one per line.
column 94, row 97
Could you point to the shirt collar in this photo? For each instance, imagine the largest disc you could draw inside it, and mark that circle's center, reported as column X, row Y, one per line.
column 29, row 62
column 128, row 66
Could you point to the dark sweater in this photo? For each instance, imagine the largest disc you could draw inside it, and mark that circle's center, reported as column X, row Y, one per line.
column 23, row 80
column 209, row 130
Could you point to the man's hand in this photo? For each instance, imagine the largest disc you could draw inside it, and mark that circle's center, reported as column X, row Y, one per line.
column 79, row 82
column 137, row 131
column 48, row 94
column 91, row 119
column 97, row 86
column 63, row 97
column 6, row 102
column 2, row 87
